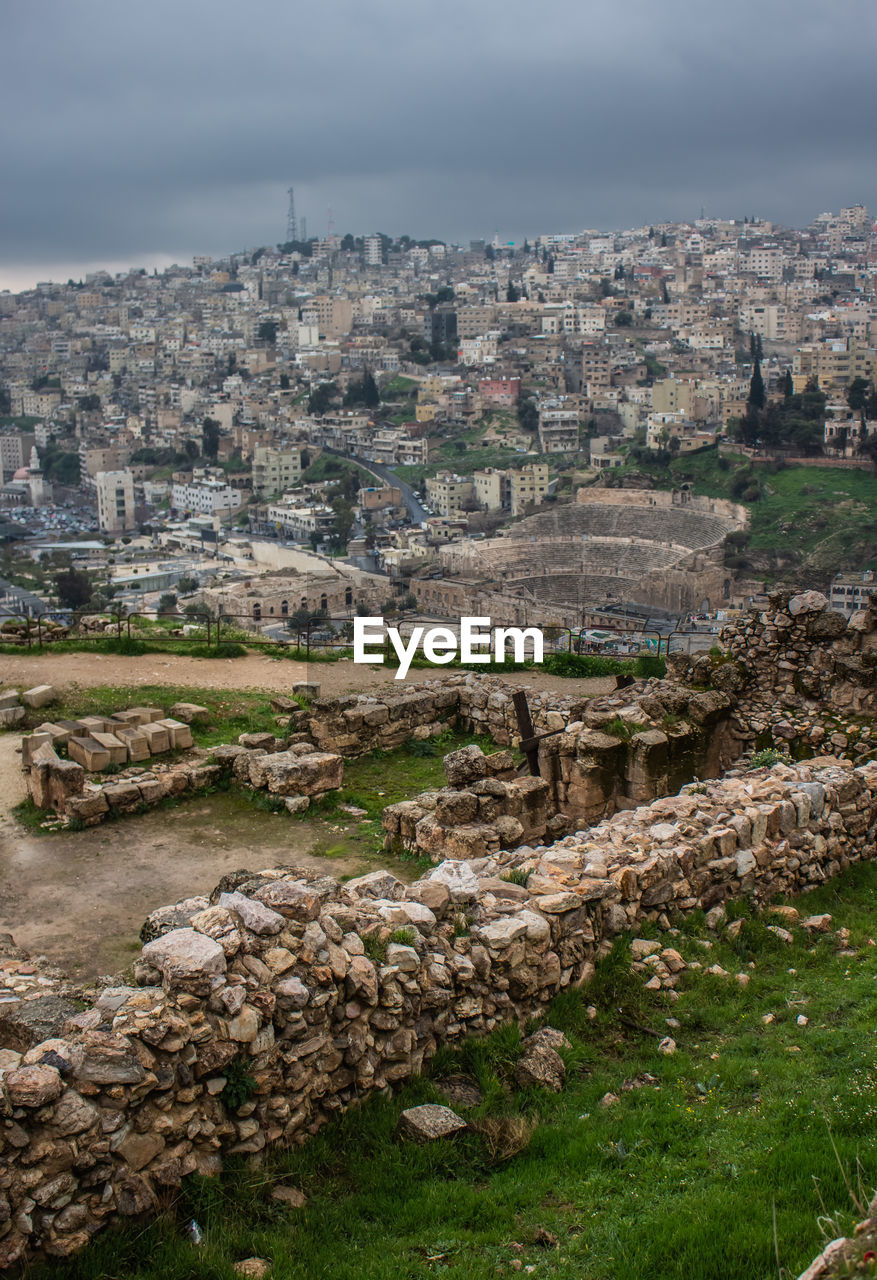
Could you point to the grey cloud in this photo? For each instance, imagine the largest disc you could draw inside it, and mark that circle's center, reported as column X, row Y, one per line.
column 130, row 131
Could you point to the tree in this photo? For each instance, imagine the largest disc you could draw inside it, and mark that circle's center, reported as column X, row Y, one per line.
column 343, row 522
column 73, row 588
column 284, row 382
column 857, row 393
column 528, row 415
column 512, row 294
column 167, row 603
column 267, row 332
column 191, row 450
column 788, row 385
column 321, row 398
column 623, row 319
column 186, row 585
column 210, row 432
column 756, row 395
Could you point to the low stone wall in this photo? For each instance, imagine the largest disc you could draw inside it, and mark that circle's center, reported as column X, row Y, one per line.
column 627, row 748
column 322, row 993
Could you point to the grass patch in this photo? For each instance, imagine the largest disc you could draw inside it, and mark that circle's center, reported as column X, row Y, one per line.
column 719, row 1165
column 133, row 647
column 232, row 711
column 824, row 517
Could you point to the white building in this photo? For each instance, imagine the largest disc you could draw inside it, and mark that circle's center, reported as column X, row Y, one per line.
column 206, row 498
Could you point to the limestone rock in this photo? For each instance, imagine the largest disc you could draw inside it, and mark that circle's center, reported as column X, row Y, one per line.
column 42, row 695
column 183, row 955
column 32, row 1086
column 429, row 1122
column 255, row 916
column 540, row 1066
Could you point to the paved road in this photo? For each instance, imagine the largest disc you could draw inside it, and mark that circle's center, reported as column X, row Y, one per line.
column 416, row 511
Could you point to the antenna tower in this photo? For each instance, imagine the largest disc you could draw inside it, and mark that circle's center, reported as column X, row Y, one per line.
column 331, row 223
column 291, row 223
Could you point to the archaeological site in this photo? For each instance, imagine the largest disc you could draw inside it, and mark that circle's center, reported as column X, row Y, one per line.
column 744, row 774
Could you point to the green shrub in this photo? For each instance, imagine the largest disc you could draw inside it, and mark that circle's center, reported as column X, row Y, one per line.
column 239, row 1084
column 769, row 756
column 405, row 937
column 516, row 875
column 375, row 948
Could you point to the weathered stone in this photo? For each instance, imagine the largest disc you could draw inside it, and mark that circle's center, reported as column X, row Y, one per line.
column 32, row 1086
column 190, row 713
column 41, row 695
column 183, row 956
column 429, row 1122
column 25, row 1023
column 89, row 753
column 254, row 915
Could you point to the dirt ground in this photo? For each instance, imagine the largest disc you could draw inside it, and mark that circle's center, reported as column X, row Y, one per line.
column 81, row 897
column 255, row 671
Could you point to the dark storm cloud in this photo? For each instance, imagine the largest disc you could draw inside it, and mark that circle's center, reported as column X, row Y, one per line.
column 172, row 128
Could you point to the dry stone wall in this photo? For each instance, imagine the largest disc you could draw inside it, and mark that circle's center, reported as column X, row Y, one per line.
column 802, row 676
column 323, row 993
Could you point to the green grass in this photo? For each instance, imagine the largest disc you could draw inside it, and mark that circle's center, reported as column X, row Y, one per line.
column 133, row 647
column 826, row 517
column 720, row 1168
column 232, row 711
column 400, row 385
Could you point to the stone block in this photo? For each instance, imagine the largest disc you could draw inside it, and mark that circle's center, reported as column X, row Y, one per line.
column 288, row 774
column 157, row 736
column 429, row 1122
column 180, row 734
column 140, row 715
column 52, row 782
column 136, row 743
column 190, row 713
column 10, row 716
column 90, row 754
column 117, row 749
column 94, row 724
column 9, row 698
column 123, row 795
column 60, row 736
column 91, row 805
column 73, row 728
column 30, row 744
column 307, row 688
column 42, row 695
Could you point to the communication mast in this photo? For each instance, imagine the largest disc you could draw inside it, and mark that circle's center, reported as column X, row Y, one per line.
column 291, row 223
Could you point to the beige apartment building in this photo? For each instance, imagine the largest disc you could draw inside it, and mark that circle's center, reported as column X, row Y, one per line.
column 275, row 470
column 528, row 486
column 446, row 493
column 115, row 500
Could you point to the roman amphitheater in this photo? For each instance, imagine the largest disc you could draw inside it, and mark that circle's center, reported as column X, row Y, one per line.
column 650, row 548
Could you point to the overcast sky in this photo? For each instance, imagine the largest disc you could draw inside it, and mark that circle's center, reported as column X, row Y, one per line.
column 143, row 133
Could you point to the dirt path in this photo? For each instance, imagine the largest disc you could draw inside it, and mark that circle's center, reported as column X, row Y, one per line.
column 255, row 671
column 81, row 897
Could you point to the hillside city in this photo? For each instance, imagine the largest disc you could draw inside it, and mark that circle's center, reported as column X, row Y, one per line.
column 337, row 424
column 564, row 966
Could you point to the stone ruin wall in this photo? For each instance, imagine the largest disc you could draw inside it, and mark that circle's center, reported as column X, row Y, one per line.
column 301, row 979
column 664, row 498
column 306, row 982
